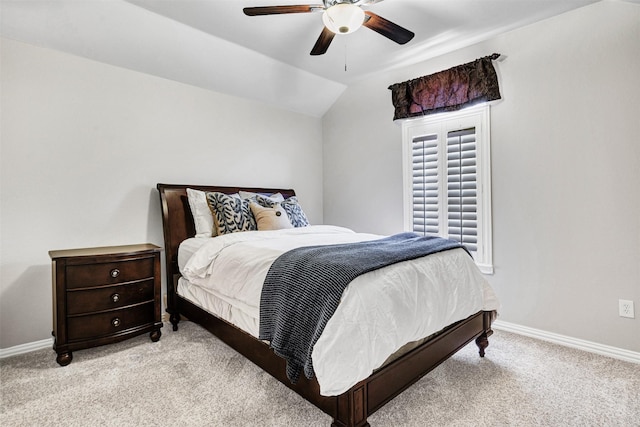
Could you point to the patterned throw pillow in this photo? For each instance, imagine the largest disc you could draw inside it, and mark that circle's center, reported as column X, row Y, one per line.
column 291, row 207
column 230, row 214
column 276, row 197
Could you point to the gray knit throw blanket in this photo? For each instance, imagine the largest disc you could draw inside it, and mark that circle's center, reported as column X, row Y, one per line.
column 303, row 289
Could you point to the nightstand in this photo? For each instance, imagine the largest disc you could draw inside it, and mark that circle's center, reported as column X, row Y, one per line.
column 104, row 295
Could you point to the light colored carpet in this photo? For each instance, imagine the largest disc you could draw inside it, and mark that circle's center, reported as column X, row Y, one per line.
column 189, row 378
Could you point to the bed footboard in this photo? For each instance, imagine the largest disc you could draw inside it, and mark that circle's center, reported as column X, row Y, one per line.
column 352, row 408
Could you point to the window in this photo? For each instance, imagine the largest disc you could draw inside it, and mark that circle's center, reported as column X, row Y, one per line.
column 447, row 181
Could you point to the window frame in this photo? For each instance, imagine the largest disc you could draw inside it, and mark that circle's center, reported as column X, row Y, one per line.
column 441, row 124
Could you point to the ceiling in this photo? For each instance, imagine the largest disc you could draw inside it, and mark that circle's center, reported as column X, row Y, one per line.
column 212, row 44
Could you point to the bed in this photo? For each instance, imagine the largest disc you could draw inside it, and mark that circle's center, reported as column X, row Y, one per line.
column 350, row 407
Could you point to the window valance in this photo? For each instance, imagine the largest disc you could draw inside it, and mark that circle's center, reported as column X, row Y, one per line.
column 447, row 90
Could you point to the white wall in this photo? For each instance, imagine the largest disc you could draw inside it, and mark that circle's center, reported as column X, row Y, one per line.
column 566, row 169
column 83, row 145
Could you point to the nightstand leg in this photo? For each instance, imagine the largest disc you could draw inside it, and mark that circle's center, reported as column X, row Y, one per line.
column 64, row 359
column 155, row 335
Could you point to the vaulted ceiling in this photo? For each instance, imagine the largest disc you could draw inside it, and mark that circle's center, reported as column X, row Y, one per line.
column 214, row 45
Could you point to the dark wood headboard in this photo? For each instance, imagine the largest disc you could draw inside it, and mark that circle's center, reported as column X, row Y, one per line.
column 178, row 225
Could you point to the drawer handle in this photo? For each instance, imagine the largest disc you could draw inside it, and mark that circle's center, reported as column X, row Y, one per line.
column 115, row 273
column 115, row 322
column 115, row 297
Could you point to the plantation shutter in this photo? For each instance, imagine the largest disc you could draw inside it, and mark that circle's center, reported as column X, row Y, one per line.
column 462, row 203
column 425, row 184
column 447, row 180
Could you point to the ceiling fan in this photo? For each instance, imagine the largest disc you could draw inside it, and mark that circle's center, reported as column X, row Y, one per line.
column 340, row 17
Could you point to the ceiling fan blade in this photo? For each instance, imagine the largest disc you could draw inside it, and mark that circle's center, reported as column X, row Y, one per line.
column 323, row 42
column 387, row 28
column 276, row 10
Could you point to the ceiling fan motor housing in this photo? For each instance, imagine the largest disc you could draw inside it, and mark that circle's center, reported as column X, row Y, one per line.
column 343, row 17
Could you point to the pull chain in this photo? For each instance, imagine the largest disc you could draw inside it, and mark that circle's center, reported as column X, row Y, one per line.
column 345, row 57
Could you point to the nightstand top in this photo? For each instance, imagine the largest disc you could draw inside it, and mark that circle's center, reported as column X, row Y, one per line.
column 104, row 250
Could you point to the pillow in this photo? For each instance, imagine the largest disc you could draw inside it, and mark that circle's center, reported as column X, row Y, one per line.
column 291, row 207
column 230, row 214
column 202, row 217
column 274, row 218
column 277, row 197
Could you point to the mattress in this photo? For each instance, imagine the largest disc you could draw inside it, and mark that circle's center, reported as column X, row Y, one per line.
column 380, row 311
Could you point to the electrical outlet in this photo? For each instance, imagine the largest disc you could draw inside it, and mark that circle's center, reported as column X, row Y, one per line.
column 626, row 308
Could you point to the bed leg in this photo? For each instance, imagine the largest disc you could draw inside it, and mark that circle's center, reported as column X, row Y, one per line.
column 337, row 423
column 174, row 319
column 352, row 408
column 483, row 340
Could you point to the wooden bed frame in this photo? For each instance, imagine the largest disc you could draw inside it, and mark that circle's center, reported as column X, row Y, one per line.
column 349, row 409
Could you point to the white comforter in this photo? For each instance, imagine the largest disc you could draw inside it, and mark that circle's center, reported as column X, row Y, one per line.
column 380, row 311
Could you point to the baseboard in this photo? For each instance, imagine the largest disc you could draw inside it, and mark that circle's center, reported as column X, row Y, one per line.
column 26, row 348
column 589, row 346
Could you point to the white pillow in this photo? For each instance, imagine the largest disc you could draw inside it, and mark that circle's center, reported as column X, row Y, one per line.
column 202, row 216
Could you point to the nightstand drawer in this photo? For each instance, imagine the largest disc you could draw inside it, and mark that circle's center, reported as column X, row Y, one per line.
column 111, row 322
column 109, row 297
column 86, row 275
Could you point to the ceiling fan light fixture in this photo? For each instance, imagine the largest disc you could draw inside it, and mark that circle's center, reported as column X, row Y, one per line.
column 343, row 18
